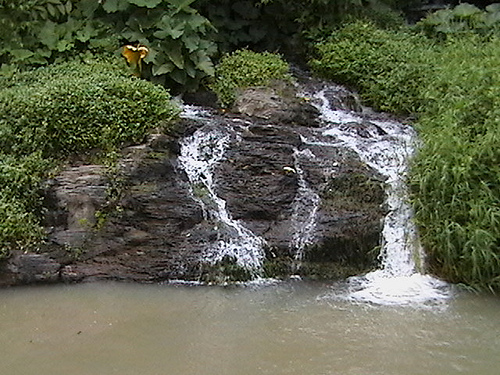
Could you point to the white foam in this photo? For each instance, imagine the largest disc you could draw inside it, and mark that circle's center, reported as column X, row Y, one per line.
column 387, row 147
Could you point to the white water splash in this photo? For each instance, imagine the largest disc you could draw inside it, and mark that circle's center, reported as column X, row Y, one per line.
column 200, row 153
column 386, row 146
column 305, row 207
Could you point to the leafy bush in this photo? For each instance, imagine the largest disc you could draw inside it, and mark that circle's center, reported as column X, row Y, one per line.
column 51, row 112
column 387, row 66
column 245, row 68
column 46, row 31
column 453, row 88
column 20, row 203
column 75, row 107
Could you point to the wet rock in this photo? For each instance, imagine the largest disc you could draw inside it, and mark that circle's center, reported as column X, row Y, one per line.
column 277, row 104
column 29, row 268
column 318, row 208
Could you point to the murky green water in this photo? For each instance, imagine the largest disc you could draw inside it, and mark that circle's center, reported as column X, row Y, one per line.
column 289, row 328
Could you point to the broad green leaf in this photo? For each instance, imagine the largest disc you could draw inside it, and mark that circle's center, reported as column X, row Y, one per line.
column 61, row 8
column 21, row 54
column 196, row 20
column 152, row 56
column 146, row 3
column 52, row 10
column 69, row 7
column 48, row 34
column 168, row 31
column 179, row 76
column 85, row 33
column 64, row 45
column 112, row 6
column 465, row 10
column 492, row 18
column 174, row 53
column 191, row 42
column 190, row 69
column 205, row 64
column 163, row 69
column 493, row 8
column 87, row 7
column 134, row 36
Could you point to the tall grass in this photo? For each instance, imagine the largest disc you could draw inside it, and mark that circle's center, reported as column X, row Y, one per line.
column 453, row 88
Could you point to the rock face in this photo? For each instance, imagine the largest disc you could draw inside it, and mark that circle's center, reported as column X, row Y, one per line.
column 316, row 206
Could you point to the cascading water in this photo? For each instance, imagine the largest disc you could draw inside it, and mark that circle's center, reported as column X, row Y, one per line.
column 199, row 155
column 384, row 145
column 387, row 147
column 305, row 207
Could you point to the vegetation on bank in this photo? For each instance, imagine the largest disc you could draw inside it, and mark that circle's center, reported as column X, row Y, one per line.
column 53, row 112
column 452, row 84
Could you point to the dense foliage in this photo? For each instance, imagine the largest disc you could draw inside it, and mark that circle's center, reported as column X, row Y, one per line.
column 454, row 89
column 49, row 113
column 462, row 19
column 245, row 68
column 46, row 31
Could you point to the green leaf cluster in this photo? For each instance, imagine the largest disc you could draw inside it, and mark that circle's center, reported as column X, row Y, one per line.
column 280, row 25
column 39, row 32
column 462, row 19
column 245, row 68
column 52, row 112
column 453, row 89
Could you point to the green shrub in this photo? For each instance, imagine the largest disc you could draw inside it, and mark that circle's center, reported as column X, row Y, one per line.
column 387, row 66
column 76, row 107
column 453, row 88
column 245, row 68
column 52, row 112
column 20, row 202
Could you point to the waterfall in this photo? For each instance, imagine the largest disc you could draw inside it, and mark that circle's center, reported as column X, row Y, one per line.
column 305, row 207
column 200, row 154
column 386, row 146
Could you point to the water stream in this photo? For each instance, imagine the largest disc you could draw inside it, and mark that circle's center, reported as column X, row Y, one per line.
column 383, row 144
column 200, row 153
column 387, row 146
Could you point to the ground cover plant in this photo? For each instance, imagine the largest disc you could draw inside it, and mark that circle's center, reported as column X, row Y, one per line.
column 53, row 112
column 452, row 87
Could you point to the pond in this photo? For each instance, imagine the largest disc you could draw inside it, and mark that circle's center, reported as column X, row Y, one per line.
column 291, row 327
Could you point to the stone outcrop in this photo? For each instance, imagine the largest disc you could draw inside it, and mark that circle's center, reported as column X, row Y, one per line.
column 318, row 208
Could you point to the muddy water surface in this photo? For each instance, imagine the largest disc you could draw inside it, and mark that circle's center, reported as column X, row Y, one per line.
column 287, row 328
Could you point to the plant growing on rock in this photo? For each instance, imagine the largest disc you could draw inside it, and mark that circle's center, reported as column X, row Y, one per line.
column 52, row 112
column 245, row 68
